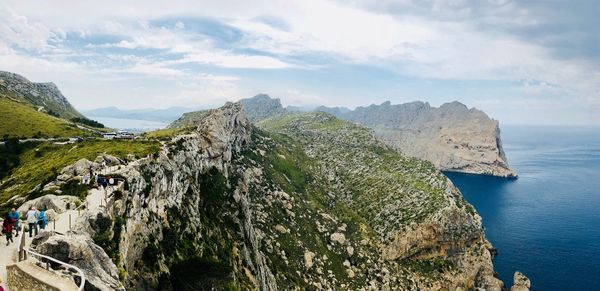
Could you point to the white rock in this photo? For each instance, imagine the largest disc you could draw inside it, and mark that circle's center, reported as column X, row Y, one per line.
column 280, row 228
column 338, row 237
column 308, row 259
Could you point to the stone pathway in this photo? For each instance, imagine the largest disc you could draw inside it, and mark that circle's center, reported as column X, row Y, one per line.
column 96, row 198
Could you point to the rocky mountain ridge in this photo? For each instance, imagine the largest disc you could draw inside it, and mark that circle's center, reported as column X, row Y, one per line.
column 452, row 137
column 44, row 96
column 312, row 202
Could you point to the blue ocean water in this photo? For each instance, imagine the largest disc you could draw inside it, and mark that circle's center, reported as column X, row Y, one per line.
column 129, row 124
column 546, row 223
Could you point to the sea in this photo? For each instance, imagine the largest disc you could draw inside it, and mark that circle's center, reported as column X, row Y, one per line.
column 546, row 223
column 133, row 125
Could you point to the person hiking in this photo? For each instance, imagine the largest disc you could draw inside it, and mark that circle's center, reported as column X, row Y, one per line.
column 42, row 221
column 104, row 184
column 32, row 219
column 98, row 181
column 7, row 228
column 16, row 216
column 111, row 182
column 85, row 179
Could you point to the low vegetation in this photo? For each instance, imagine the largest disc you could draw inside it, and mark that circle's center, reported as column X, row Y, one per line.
column 24, row 121
column 167, row 133
column 39, row 161
column 189, row 119
column 88, row 122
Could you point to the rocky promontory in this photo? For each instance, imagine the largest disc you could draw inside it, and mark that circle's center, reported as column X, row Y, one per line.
column 307, row 201
column 452, row 137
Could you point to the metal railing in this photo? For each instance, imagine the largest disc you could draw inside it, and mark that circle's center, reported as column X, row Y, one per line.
column 23, row 251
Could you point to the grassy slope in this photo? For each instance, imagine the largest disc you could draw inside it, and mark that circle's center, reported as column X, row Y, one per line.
column 377, row 191
column 167, row 133
column 44, row 160
column 188, row 119
column 21, row 120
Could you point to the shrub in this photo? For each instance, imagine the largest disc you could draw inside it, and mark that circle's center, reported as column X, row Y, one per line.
column 88, row 122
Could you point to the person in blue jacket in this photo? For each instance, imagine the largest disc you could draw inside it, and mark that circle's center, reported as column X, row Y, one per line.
column 42, row 221
column 16, row 216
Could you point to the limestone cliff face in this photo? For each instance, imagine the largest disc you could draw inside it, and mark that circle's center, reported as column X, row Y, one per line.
column 310, row 202
column 452, row 137
column 45, row 96
column 251, row 209
column 261, row 107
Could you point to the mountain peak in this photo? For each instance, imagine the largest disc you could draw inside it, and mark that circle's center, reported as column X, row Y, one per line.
column 226, row 127
column 262, row 106
column 42, row 95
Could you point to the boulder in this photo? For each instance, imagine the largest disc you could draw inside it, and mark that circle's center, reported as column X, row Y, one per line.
column 308, row 259
column 338, row 237
column 79, row 168
column 78, row 249
column 93, row 221
column 108, row 159
column 56, row 203
column 521, row 282
column 51, row 214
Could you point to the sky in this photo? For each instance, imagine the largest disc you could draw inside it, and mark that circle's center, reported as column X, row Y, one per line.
column 522, row 62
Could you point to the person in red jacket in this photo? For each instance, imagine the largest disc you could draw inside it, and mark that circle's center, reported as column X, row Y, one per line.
column 7, row 228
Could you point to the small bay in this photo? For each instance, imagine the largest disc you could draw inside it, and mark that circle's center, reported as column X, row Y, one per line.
column 546, row 223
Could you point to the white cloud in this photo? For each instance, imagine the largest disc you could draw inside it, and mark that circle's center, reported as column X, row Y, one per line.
column 16, row 30
column 448, row 46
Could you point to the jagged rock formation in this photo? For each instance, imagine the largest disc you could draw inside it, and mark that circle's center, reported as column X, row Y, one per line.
column 58, row 204
column 452, row 137
column 45, row 96
column 189, row 119
column 79, row 249
column 313, row 202
column 261, row 107
column 521, row 282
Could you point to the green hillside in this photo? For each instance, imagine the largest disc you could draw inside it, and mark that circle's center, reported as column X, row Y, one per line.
column 23, row 121
column 45, row 96
column 34, row 163
column 189, row 119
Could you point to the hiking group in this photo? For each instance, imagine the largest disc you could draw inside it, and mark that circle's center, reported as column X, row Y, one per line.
column 35, row 219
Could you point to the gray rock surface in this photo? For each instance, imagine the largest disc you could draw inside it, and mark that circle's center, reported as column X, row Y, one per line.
column 59, row 204
column 261, row 107
column 521, row 282
column 452, row 137
column 78, row 249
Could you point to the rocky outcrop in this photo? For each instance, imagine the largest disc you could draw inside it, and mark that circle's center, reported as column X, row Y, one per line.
column 44, row 96
column 261, row 107
column 521, row 282
column 58, row 204
column 452, row 137
column 412, row 224
column 313, row 202
column 79, row 250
